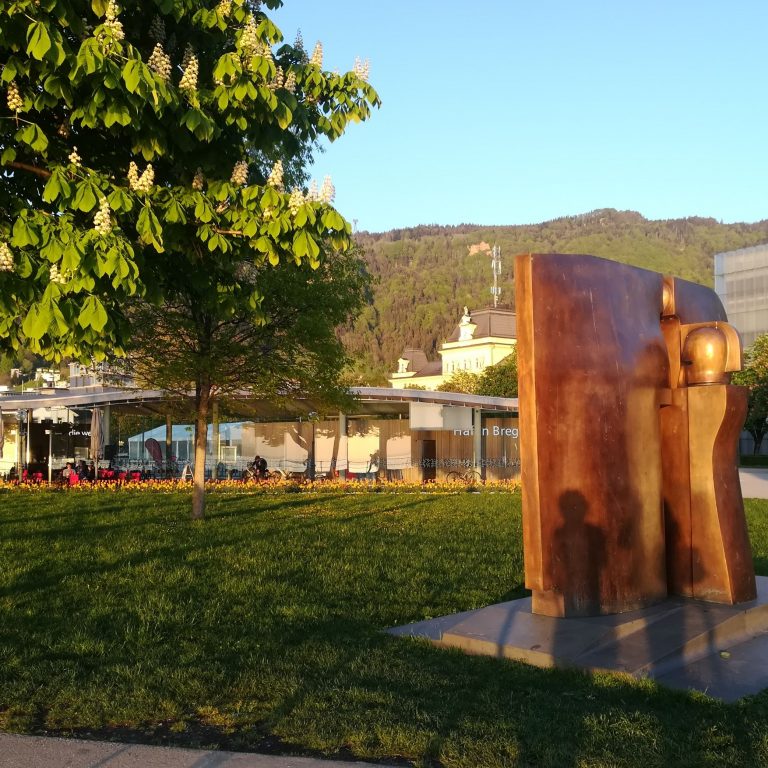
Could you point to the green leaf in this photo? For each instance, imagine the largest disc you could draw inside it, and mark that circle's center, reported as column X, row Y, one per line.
column 117, row 113
column 9, row 70
column 33, row 136
column 283, row 115
column 71, row 258
column 191, row 119
column 149, row 228
column 119, row 200
column 332, row 219
column 85, row 197
column 52, row 188
column 92, row 314
column 38, row 40
column 132, row 75
column 38, row 320
column 304, row 245
column 8, row 156
column 270, row 198
column 175, row 214
column 61, row 326
column 53, row 250
column 203, row 211
column 23, row 234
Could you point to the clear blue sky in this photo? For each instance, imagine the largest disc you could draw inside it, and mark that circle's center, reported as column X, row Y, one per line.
column 514, row 112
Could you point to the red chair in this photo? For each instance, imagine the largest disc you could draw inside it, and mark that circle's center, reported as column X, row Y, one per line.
column 74, row 478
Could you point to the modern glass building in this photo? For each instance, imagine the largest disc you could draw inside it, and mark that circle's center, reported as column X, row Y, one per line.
column 741, row 282
column 391, row 434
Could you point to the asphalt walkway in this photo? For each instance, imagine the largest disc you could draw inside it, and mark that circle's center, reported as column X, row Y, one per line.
column 47, row 752
column 754, row 483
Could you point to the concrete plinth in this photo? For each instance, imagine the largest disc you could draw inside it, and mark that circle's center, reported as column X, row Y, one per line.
column 721, row 650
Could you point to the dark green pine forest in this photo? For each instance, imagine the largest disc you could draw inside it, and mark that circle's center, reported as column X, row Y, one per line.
column 423, row 276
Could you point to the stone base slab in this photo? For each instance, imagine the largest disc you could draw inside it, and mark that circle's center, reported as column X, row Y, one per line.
column 721, row 650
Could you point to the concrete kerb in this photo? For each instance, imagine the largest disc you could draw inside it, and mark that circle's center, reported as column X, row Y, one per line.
column 47, row 752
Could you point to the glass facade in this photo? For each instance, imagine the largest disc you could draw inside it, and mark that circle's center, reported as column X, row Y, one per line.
column 367, row 448
column 741, row 282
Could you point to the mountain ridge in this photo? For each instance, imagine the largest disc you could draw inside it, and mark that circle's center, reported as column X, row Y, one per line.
column 425, row 274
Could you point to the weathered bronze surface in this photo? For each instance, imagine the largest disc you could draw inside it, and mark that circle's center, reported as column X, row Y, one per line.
column 628, row 438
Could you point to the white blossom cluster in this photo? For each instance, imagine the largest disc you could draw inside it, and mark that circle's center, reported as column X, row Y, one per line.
column 224, row 7
column 240, row 173
column 362, row 69
column 189, row 52
column 15, row 102
column 327, row 191
column 188, row 82
column 276, row 175
column 298, row 44
column 160, row 62
column 296, row 201
column 56, row 276
column 63, row 129
column 141, row 183
column 198, row 181
column 317, row 55
column 249, row 40
column 278, row 81
column 6, row 258
column 102, row 221
column 290, row 82
column 325, row 195
column 157, row 29
column 74, row 158
column 111, row 25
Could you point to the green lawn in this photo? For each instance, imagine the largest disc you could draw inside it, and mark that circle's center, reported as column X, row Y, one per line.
column 260, row 629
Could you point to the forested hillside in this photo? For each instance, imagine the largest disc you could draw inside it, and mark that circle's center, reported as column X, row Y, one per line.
column 425, row 275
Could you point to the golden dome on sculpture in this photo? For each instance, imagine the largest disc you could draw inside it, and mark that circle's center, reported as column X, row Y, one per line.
column 705, row 354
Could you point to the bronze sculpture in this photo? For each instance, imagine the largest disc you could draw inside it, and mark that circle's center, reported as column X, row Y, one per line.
column 629, row 430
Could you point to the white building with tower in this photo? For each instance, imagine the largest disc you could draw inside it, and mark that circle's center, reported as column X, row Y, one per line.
column 481, row 339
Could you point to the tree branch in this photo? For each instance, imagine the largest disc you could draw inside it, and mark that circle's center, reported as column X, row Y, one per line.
column 226, row 231
column 41, row 172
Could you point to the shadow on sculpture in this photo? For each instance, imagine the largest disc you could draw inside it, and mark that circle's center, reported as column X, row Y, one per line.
column 629, row 433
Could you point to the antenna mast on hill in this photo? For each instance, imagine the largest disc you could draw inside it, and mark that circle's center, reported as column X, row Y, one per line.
column 496, row 268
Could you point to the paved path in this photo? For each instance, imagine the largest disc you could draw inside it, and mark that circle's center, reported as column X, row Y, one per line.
column 754, row 483
column 46, row 752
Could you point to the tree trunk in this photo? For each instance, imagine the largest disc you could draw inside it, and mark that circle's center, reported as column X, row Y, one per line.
column 202, row 402
column 757, row 441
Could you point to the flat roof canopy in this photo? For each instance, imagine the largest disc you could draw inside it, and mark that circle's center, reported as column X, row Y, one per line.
column 369, row 401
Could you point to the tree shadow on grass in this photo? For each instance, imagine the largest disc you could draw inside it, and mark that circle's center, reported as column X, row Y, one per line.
column 476, row 711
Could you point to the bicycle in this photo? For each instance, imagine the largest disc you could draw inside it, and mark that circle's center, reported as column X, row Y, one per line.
column 468, row 476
